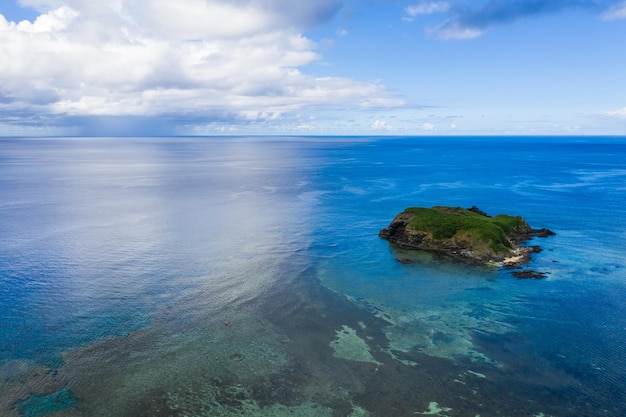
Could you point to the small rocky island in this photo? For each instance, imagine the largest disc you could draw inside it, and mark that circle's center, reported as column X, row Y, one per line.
column 466, row 235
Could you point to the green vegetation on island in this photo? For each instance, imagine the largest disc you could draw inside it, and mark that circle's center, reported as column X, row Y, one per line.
column 467, row 235
column 447, row 222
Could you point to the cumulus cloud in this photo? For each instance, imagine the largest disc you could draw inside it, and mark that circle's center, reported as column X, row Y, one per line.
column 466, row 22
column 192, row 60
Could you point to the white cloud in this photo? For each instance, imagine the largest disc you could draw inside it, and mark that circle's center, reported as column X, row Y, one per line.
column 427, row 7
column 305, row 127
column 620, row 113
column 617, row 12
column 451, row 30
column 192, row 59
column 55, row 21
column 380, row 125
column 428, row 126
column 469, row 21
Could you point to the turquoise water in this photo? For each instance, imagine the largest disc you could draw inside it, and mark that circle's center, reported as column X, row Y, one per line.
column 244, row 276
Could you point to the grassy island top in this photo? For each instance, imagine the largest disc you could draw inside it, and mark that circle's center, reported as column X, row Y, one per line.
column 447, row 222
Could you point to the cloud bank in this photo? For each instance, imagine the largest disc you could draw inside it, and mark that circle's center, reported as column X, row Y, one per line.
column 125, row 62
column 465, row 20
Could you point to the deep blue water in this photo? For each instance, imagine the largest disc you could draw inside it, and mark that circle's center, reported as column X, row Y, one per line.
column 230, row 276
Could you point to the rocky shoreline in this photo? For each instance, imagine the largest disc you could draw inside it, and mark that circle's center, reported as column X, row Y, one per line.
column 469, row 236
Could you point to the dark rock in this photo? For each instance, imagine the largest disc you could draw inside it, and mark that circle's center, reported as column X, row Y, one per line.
column 405, row 261
column 544, row 232
column 476, row 210
column 529, row 234
column 527, row 274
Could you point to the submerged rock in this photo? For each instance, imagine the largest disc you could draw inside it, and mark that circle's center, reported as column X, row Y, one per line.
column 465, row 235
column 348, row 345
column 526, row 274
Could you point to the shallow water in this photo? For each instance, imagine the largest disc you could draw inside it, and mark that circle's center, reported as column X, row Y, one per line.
column 244, row 276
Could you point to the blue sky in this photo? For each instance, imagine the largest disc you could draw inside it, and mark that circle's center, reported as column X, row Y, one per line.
column 335, row 67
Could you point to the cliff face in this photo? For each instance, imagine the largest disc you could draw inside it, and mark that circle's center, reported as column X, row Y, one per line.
column 466, row 235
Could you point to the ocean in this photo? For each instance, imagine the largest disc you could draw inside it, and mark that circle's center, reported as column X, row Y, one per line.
column 244, row 276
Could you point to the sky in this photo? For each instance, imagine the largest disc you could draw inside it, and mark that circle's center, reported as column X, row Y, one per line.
column 319, row 67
